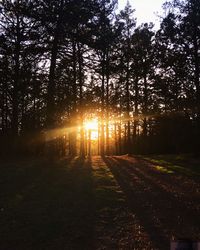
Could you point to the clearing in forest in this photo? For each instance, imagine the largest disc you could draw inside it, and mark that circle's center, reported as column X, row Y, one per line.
column 115, row 202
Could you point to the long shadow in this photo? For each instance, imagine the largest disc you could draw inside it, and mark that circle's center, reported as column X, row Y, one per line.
column 186, row 181
column 165, row 184
column 143, row 198
column 55, row 212
column 178, row 206
column 156, row 234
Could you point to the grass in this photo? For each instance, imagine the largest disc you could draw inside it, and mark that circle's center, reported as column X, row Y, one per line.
column 178, row 163
column 57, row 204
column 73, row 204
column 164, row 170
column 46, row 205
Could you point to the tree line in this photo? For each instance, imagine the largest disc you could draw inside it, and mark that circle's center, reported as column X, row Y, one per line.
column 63, row 60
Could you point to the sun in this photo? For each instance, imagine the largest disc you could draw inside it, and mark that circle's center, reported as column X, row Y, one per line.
column 91, row 125
column 91, row 128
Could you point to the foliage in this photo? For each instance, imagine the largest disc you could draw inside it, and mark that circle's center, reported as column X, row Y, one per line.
column 62, row 61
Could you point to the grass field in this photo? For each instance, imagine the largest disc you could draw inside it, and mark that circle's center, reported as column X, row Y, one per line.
column 97, row 203
column 60, row 204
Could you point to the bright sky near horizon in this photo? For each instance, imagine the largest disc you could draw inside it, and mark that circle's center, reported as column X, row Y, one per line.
column 145, row 10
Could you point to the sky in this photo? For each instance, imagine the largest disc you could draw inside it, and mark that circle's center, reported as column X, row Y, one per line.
column 145, row 10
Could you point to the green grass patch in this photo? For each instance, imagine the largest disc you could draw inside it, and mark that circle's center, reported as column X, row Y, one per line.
column 107, row 191
column 164, row 170
column 185, row 164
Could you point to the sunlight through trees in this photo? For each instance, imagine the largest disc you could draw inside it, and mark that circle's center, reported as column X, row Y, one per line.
column 114, row 87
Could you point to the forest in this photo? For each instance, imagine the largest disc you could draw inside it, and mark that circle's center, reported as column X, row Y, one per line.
column 80, row 77
column 99, row 126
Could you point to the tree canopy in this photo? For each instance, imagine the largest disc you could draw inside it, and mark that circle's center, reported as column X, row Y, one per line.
column 67, row 64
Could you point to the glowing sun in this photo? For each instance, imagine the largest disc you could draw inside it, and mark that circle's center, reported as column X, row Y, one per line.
column 91, row 128
column 91, row 125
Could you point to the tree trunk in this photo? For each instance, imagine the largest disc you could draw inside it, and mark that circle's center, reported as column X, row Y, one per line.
column 136, row 108
column 128, row 128
column 196, row 71
column 107, row 106
column 73, row 134
column 51, row 119
column 145, row 105
column 80, row 76
column 116, row 139
column 89, row 142
column 15, row 102
column 102, row 146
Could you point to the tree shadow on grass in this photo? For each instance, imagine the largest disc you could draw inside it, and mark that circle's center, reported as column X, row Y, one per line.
column 47, row 207
column 140, row 204
column 175, row 205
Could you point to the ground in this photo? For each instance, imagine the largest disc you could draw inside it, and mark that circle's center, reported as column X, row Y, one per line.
column 114, row 202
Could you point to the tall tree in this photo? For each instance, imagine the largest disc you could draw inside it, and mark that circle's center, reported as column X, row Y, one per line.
column 128, row 22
